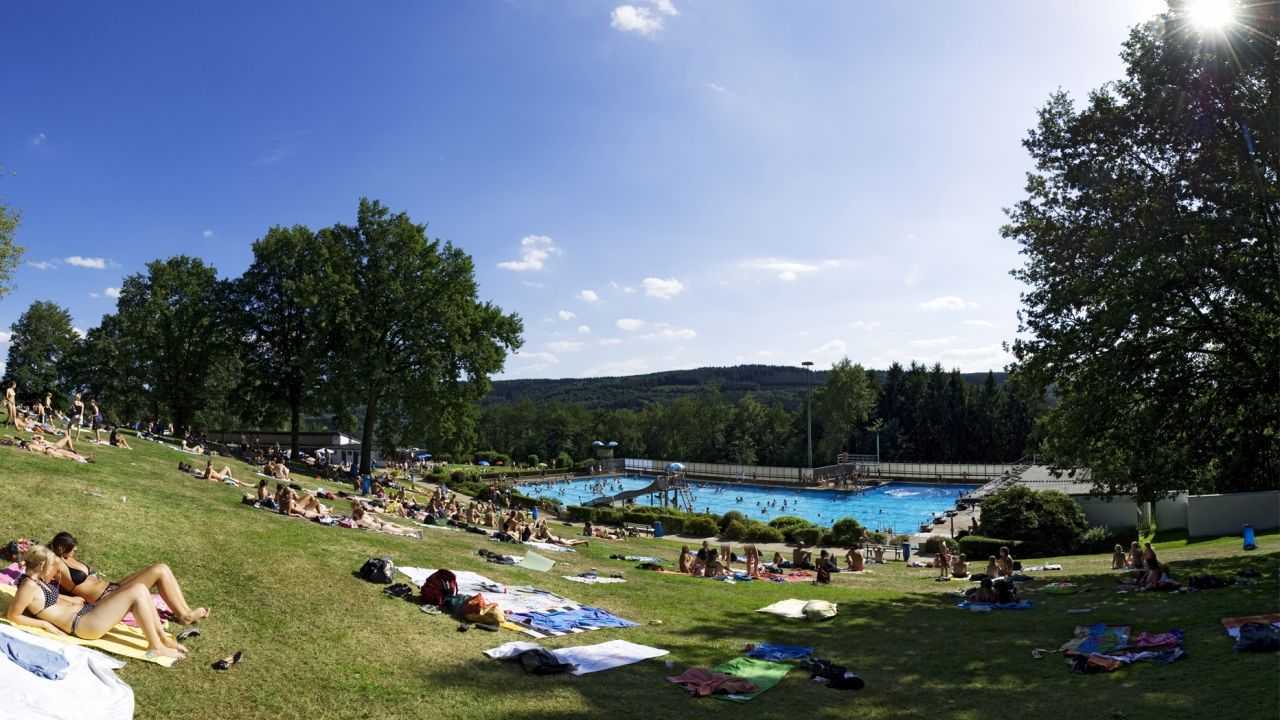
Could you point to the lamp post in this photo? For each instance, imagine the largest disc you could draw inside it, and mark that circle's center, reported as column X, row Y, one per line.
column 808, row 411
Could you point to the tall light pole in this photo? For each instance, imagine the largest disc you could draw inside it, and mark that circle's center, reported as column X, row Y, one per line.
column 808, row 411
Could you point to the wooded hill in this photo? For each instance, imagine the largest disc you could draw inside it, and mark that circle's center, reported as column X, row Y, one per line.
column 766, row 383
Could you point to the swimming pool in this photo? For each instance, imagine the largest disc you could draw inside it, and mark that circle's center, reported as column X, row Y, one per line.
column 898, row 506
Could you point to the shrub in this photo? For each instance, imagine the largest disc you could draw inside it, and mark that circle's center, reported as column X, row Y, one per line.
column 532, row 460
column 729, row 517
column 879, row 538
column 700, row 526
column 978, row 548
column 457, row 476
column 577, row 513
column 761, row 533
column 638, row 515
column 931, row 545
column 807, row 535
column 1048, row 519
column 734, row 530
column 844, row 533
column 671, row 523
column 1104, row 539
column 784, row 521
column 609, row 516
column 563, row 461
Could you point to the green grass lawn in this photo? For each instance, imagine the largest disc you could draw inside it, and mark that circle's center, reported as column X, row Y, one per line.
column 321, row 644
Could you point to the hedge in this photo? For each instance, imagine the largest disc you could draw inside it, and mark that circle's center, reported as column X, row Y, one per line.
column 977, row 548
column 1104, row 539
column 761, row 533
column 700, row 526
column 931, row 545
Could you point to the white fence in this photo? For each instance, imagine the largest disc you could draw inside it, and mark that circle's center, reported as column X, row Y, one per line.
column 1225, row 514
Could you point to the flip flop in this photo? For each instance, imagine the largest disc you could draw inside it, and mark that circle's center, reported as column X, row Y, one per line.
column 193, row 632
column 226, row 662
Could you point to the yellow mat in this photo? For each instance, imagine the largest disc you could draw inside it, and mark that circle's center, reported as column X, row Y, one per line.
column 120, row 640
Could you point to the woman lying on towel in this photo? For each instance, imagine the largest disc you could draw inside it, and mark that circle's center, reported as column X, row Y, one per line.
column 60, row 449
column 365, row 520
column 306, row 506
column 80, row 580
column 542, row 534
column 39, row 604
column 222, row 476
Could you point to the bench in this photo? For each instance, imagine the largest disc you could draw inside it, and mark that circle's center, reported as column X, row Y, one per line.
column 637, row 528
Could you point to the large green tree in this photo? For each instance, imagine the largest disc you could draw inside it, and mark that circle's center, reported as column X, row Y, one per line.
column 10, row 251
column 174, row 334
column 412, row 344
column 42, row 342
column 281, row 325
column 841, row 405
column 1150, row 235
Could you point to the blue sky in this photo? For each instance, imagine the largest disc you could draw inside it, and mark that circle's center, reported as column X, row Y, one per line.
column 650, row 185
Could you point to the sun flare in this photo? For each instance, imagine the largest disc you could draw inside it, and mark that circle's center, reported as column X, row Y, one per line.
column 1211, row 14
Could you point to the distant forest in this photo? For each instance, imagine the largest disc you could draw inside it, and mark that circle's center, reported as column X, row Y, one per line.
column 755, row 414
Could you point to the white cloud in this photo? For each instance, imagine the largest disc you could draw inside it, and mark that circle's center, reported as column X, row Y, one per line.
column 864, row 325
column 534, row 251
column 94, row 295
column 947, row 302
column 671, row 334
column 6, row 337
column 832, row 348
column 638, row 20
column 978, row 323
column 84, row 262
column 79, row 333
column 933, row 342
column 38, row 139
column 532, row 284
column 208, row 233
column 665, row 289
column 717, row 88
column 788, row 270
column 566, row 315
column 44, row 264
column 608, row 342
column 621, row 367
column 584, row 329
column 564, row 346
column 112, row 292
column 588, row 296
column 628, row 289
column 535, row 361
column 629, row 324
column 665, row 7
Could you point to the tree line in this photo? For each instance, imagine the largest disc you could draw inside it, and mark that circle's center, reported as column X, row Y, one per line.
column 920, row 413
column 373, row 317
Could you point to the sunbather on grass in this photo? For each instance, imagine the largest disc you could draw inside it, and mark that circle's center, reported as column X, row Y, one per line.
column 115, row 439
column 60, row 449
column 307, row 506
column 543, row 534
column 854, row 559
column 80, row 580
column 366, row 520
column 222, row 476
column 38, row 603
column 1118, row 559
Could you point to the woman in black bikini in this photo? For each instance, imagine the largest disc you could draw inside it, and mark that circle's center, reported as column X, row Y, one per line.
column 80, row 580
column 39, row 604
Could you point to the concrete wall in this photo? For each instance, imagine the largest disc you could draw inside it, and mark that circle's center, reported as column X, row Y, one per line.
column 1171, row 514
column 1211, row 515
column 1115, row 513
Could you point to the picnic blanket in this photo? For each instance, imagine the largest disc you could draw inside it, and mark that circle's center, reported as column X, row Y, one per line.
column 1106, row 648
column 801, row 609
column 770, row 651
column 585, row 658
column 551, row 623
column 592, row 580
column 549, row 547
column 982, row 607
column 120, row 640
column 761, row 673
column 89, row 681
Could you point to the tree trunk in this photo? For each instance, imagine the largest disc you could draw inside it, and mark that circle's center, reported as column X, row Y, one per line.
column 295, row 418
column 366, row 435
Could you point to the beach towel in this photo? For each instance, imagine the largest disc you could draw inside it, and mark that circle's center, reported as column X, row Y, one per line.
column 761, row 673
column 121, row 640
column 801, row 609
column 534, row 561
column 549, row 547
column 704, row 683
column 593, row 580
column 552, row 623
column 33, row 658
column 585, row 658
column 1113, row 648
column 772, row 652
column 1098, row 638
column 89, row 681
column 1232, row 624
column 1042, row 568
column 979, row 606
column 637, row 558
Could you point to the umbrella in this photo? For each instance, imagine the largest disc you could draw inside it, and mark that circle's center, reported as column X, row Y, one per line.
column 613, row 443
column 483, row 462
column 422, row 456
column 542, row 464
column 675, row 467
column 597, row 443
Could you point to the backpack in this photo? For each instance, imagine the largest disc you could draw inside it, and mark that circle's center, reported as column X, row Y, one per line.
column 378, row 570
column 438, row 588
column 1258, row 637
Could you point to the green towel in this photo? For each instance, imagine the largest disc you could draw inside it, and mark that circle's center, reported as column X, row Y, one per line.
column 534, row 561
column 762, row 673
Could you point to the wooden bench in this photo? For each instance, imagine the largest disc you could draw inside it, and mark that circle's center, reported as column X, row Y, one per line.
column 637, row 528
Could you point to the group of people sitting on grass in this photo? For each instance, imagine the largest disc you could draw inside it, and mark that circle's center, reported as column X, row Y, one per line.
column 957, row 565
column 62, row 595
column 1146, row 571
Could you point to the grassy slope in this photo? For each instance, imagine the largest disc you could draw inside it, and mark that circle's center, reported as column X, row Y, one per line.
column 319, row 643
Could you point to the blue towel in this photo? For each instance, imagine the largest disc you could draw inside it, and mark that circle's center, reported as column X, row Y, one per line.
column 769, row 651
column 1020, row 605
column 44, row 663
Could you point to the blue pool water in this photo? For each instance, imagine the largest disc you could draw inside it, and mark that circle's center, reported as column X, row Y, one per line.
column 898, row 506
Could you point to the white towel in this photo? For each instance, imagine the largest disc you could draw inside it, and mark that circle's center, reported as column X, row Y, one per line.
column 90, row 691
column 586, row 658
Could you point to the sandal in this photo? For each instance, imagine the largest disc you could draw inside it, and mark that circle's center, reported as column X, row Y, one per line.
column 226, row 662
column 193, row 632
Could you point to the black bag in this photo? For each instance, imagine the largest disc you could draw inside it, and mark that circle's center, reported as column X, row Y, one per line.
column 378, row 570
column 1258, row 637
column 542, row 662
